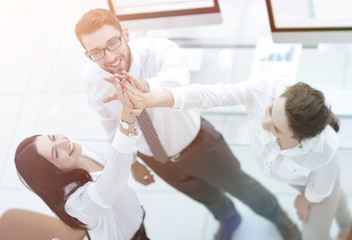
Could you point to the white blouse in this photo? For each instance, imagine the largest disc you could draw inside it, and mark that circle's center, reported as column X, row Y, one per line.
column 313, row 164
column 107, row 205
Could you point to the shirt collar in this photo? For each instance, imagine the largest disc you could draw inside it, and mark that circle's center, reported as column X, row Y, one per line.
column 136, row 62
column 311, row 144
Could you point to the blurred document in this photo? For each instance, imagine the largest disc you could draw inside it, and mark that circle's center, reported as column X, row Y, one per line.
column 275, row 60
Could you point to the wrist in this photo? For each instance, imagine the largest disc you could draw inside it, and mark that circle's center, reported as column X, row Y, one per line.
column 126, row 117
column 129, row 132
column 127, row 127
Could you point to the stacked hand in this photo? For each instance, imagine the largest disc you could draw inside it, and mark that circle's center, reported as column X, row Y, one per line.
column 130, row 91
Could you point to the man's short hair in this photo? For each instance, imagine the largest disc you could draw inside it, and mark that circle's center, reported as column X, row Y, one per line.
column 95, row 19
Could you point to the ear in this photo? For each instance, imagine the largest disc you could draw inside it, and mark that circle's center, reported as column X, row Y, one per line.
column 126, row 34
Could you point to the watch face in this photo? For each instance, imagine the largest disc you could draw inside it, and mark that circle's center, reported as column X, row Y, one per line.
column 125, row 125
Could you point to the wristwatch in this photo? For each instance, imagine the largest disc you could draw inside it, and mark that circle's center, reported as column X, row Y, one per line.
column 126, row 125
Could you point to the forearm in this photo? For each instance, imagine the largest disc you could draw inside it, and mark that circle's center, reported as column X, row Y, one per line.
column 159, row 99
column 115, row 174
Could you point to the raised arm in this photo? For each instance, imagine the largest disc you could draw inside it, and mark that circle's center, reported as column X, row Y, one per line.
column 92, row 200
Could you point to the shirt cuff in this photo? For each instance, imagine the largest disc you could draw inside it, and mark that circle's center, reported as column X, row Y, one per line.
column 123, row 143
column 179, row 96
column 313, row 197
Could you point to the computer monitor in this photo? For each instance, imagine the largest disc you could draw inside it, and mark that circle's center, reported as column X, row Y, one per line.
column 141, row 15
column 310, row 22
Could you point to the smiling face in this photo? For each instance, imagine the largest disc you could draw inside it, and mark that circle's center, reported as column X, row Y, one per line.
column 275, row 120
column 114, row 61
column 59, row 150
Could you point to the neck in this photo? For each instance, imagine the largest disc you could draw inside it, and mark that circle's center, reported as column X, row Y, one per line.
column 287, row 142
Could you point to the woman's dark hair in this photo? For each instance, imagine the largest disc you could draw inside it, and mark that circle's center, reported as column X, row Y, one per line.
column 48, row 181
column 307, row 111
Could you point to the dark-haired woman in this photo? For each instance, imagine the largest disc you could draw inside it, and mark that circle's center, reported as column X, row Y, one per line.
column 291, row 138
column 84, row 189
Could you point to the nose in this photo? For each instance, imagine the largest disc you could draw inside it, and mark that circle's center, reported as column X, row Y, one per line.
column 266, row 123
column 109, row 56
column 62, row 144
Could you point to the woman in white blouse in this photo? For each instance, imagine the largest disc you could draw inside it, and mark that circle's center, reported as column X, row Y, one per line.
column 290, row 137
column 84, row 189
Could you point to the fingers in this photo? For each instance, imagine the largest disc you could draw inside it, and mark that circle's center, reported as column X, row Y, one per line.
column 140, row 84
column 135, row 95
column 130, row 90
column 110, row 98
column 119, row 92
column 126, row 93
column 126, row 74
column 130, row 78
column 110, row 79
column 146, row 179
column 126, row 101
column 303, row 216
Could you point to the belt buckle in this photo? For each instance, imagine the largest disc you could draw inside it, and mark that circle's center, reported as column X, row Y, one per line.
column 175, row 157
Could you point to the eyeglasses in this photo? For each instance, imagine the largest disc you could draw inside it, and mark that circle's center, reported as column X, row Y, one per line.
column 112, row 46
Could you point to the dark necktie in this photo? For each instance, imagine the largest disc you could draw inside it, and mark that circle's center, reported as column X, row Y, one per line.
column 151, row 137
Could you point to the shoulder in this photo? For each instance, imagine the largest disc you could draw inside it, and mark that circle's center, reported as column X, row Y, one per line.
column 323, row 147
column 75, row 199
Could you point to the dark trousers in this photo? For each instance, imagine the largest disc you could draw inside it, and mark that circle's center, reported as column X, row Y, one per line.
column 209, row 170
column 140, row 234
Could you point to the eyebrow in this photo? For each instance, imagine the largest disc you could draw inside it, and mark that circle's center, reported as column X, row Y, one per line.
column 271, row 110
column 52, row 149
column 106, row 43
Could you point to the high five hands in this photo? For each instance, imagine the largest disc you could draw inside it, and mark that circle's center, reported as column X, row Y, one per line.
column 131, row 91
column 128, row 89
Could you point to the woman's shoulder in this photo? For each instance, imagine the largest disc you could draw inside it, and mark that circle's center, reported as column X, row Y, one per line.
column 323, row 147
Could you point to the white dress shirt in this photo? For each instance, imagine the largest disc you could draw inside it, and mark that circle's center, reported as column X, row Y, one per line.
column 107, row 205
column 161, row 63
column 313, row 164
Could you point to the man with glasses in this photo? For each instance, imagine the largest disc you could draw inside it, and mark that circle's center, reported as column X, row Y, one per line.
column 181, row 147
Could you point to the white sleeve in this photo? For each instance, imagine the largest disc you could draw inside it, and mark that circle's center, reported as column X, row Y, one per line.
column 97, row 197
column 248, row 93
column 207, row 96
column 322, row 181
column 173, row 70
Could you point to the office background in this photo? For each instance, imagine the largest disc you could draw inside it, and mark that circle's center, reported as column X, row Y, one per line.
column 41, row 91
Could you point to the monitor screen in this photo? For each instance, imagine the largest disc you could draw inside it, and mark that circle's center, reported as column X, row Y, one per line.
column 140, row 15
column 310, row 21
